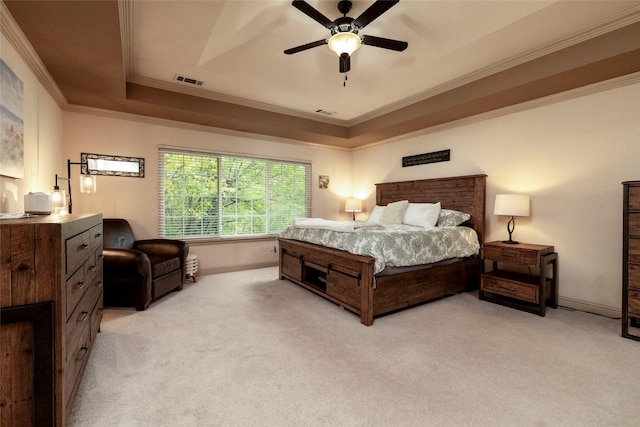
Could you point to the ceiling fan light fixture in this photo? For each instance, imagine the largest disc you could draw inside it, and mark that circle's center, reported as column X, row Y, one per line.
column 344, row 43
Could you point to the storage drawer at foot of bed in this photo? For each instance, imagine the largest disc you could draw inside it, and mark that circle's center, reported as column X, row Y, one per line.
column 292, row 266
column 344, row 287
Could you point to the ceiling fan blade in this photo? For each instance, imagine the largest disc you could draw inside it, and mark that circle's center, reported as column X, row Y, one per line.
column 345, row 63
column 312, row 13
column 384, row 43
column 375, row 10
column 305, row 46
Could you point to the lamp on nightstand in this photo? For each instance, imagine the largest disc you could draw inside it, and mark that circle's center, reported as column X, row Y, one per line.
column 353, row 206
column 512, row 205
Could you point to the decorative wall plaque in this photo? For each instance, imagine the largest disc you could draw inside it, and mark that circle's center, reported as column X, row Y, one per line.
column 422, row 159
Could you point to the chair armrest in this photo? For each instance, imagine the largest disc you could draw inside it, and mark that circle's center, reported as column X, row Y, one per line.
column 126, row 263
column 162, row 247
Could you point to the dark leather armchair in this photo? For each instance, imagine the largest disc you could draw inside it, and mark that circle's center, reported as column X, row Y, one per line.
column 137, row 272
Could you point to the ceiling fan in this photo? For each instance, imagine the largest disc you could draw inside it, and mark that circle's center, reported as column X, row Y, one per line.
column 344, row 38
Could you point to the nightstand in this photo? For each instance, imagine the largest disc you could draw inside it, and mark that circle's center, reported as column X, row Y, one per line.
column 525, row 284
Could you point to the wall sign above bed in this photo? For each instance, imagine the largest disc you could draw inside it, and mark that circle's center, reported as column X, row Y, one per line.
column 423, row 159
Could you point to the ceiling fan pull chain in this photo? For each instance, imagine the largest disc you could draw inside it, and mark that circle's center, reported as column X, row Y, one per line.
column 344, row 84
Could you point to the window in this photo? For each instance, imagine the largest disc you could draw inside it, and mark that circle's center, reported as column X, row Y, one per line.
column 221, row 195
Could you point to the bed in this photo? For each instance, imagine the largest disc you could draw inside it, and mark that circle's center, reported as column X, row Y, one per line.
column 353, row 282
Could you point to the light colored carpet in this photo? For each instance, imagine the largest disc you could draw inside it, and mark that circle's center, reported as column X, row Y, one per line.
column 247, row 349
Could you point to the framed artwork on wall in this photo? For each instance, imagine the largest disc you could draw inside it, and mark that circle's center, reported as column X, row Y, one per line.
column 11, row 123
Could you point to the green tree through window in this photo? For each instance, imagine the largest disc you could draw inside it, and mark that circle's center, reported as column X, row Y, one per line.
column 216, row 195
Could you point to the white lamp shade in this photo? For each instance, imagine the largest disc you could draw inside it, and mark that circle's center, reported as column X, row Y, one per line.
column 353, row 205
column 511, row 205
column 87, row 183
column 344, row 43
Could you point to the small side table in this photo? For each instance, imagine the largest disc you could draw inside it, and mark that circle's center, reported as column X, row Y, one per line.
column 192, row 267
column 525, row 291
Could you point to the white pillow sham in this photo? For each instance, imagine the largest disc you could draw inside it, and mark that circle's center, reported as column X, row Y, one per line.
column 376, row 214
column 422, row 214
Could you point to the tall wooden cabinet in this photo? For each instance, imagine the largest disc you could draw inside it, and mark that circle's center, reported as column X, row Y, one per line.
column 631, row 260
column 51, row 304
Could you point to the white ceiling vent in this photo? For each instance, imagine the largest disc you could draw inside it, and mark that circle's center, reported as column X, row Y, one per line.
column 188, row 80
column 325, row 112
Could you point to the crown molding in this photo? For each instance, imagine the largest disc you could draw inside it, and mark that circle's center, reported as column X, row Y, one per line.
column 611, row 24
column 11, row 30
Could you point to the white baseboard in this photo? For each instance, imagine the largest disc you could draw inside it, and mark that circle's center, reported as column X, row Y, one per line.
column 231, row 268
column 589, row 307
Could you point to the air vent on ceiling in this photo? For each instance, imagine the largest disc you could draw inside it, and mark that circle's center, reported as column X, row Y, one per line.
column 183, row 79
column 325, row 112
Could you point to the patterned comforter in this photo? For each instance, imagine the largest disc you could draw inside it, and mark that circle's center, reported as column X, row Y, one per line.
column 395, row 245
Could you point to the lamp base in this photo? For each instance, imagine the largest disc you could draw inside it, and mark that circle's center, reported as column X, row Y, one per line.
column 511, row 242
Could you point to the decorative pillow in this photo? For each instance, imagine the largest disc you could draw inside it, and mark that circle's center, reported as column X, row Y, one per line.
column 450, row 218
column 394, row 212
column 376, row 214
column 422, row 214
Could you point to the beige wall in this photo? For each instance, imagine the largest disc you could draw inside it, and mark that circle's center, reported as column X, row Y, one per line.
column 42, row 137
column 136, row 199
column 570, row 157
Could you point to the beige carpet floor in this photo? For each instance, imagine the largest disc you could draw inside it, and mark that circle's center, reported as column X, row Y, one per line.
column 247, row 349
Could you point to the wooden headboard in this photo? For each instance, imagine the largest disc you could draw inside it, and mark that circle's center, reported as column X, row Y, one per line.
column 460, row 193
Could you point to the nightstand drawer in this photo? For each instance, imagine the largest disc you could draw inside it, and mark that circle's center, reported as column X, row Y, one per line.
column 634, row 197
column 510, row 288
column 513, row 256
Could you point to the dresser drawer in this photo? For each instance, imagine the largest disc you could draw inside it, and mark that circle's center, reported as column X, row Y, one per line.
column 633, row 276
column 513, row 256
column 344, row 287
column 510, row 288
column 75, row 288
column 634, row 250
column 634, row 302
column 634, row 197
column 95, row 236
column 77, row 355
column 96, row 316
column 80, row 317
column 292, row 265
column 634, row 224
column 77, row 249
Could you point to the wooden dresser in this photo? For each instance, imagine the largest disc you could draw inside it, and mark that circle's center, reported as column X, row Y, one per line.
column 631, row 260
column 51, row 305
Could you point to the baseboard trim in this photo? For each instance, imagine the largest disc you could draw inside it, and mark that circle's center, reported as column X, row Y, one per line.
column 589, row 307
column 232, row 268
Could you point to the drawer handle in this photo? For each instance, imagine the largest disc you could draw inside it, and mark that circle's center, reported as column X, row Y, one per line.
column 100, row 311
column 98, row 285
column 78, row 286
column 98, row 235
column 82, row 354
column 508, row 289
column 82, row 317
column 511, row 255
column 83, row 246
column 92, row 268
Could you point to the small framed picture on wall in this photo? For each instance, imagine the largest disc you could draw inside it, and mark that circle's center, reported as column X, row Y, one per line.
column 323, row 182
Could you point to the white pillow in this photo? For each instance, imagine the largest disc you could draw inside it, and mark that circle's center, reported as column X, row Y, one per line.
column 376, row 214
column 394, row 212
column 422, row 214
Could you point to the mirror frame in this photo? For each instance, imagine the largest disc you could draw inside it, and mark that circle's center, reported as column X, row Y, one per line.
column 85, row 157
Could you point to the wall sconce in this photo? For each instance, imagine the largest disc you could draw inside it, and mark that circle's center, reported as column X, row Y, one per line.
column 353, row 206
column 511, row 205
column 59, row 198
